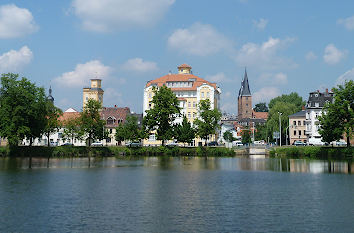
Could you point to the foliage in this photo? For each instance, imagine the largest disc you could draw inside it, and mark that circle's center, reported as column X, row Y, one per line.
column 209, row 119
column 228, row 136
column 313, row 152
column 129, row 130
column 185, row 132
column 160, row 118
column 91, row 123
column 52, row 122
column 72, row 129
column 338, row 117
column 261, row 107
column 272, row 124
column 292, row 98
column 246, row 136
column 261, row 132
column 23, row 109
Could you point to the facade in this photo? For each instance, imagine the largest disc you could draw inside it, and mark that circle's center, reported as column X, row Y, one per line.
column 297, row 127
column 113, row 117
column 244, row 99
column 314, row 107
column 189, row 89
column 94, row 92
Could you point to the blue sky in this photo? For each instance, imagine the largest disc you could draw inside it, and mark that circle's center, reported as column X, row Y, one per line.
column 286, row 46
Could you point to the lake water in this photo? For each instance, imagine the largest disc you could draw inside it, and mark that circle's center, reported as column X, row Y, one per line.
column 176, row 195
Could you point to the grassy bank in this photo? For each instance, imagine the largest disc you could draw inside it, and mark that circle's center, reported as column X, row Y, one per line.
column 313, row 152
column 38, row 151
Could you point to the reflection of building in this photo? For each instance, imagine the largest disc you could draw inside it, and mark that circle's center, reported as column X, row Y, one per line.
column 314, row 107
column 297, row 127
column 188, row 88
column 94, row 92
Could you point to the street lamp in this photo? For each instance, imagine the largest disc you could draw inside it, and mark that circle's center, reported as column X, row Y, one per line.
column 280, row 113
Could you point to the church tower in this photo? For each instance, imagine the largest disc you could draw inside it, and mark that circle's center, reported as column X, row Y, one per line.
column 94, row 92
column 244, row 99
column 50, row 97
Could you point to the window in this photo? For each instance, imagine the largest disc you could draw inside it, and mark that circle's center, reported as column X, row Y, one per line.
column 149, row 95
column 189, row 104
column 304, row 132
column 294, row 122
column 299, row 123
column 294, row 132
column 208, row 94
column 246, row 98
column 110, row 121
column 189, row 115
column 110, row 130
column 299, row 132
column 303, row 122
column 317, row 105
column 193, row 114
column 246, row 104
column 193, row 104
column 202, row 94
column 108, row 139
column 152, row 137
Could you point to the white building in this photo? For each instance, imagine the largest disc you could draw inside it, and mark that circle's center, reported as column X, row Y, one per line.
column 314, row 107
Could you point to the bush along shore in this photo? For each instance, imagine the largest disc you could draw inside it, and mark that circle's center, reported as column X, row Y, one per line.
column 70, row 151
column 313, row 152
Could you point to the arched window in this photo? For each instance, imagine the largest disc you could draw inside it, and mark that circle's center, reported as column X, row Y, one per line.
column 120, row 121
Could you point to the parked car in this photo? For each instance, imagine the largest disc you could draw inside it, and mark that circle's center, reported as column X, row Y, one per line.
column 97, row 144
column 133, row 144
column 67, row 144
column 341, row 143
column 172, row 144
column 213, row 143
column 261, row 142
column 299, row 143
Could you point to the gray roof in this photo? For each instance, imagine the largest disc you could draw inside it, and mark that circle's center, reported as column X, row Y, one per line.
column 319, row 99
column 245, row 88
column 301, row 113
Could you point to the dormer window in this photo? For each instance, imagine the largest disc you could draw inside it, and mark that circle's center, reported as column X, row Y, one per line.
column 110, row 121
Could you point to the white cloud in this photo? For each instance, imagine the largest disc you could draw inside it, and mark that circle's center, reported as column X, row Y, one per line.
column 83, row 73
column 15, row 22
column 260, row 24
column 217, row 78
column 333, row 55
column 113, row 15
column 139, row 65
column 311, row 56
column 275, row 79
column 199, row 39
column 13, row 61
column 347, row 22
column 265, row 94
column 349, row 75
column 266, row 55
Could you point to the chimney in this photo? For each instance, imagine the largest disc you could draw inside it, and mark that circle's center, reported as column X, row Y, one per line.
column 302, row 107
column 115, row 105
column 327, row 90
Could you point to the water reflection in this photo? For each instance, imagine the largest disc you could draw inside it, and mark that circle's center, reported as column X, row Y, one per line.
column 187, row 163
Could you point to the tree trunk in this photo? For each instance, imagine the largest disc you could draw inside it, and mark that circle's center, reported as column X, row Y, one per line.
column 48, row 135
column 348, row 141
column 163, row 142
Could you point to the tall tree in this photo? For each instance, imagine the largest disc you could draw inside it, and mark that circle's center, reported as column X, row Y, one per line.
column 246, row 136
column 160, row 118
column 72, row 129
column 261, row 107
column 208, row 121
column 272, row 124
column 185, row 133
column 228, row 136
column 129, row 130
column 91, row 123
column 52, row 120
column 120, row 133
column 23, row 109
column 338, row 117
column 292, row 98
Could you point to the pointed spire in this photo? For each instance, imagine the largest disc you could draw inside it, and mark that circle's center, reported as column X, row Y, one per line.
column 50, row 97
column 245, row 89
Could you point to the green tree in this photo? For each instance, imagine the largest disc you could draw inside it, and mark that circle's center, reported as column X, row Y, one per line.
column 338, row 117
column 272, row 124
column 208, row 121
column 120, row 133
column 261, row 107
column 185, row 133
column 292, row 98
column 129, row 130
column 261, row 132
column 52, row 120
column 160, row 118
column 91, row 123
column 23, row 109
column 228, row 136
column 72, row 129
column 246, row 136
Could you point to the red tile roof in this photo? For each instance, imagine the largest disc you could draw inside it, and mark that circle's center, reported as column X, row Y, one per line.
column 180, row 78
column 69, row 116
column 184, row 66
column 260, row 115
column 118, row 114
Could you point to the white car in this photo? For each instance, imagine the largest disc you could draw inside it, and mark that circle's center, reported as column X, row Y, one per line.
column 97, row 144
column 341, row 143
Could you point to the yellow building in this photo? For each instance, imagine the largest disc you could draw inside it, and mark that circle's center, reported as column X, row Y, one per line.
column 189, row 89
column 297, row 127
column 94, row 92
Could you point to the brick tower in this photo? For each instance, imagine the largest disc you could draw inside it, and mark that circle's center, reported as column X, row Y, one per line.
column 244, row 99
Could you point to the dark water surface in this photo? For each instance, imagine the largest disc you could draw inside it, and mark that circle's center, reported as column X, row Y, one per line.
column 176, row 195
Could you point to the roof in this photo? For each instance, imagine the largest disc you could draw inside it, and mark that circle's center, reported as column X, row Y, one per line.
column 69, row 116
column 184, row 66
column 245, row 88
column 319, row 99
column 301, row 113
column 115, row 113
column 181, row 78
column 260, row 115
column 70, row 110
